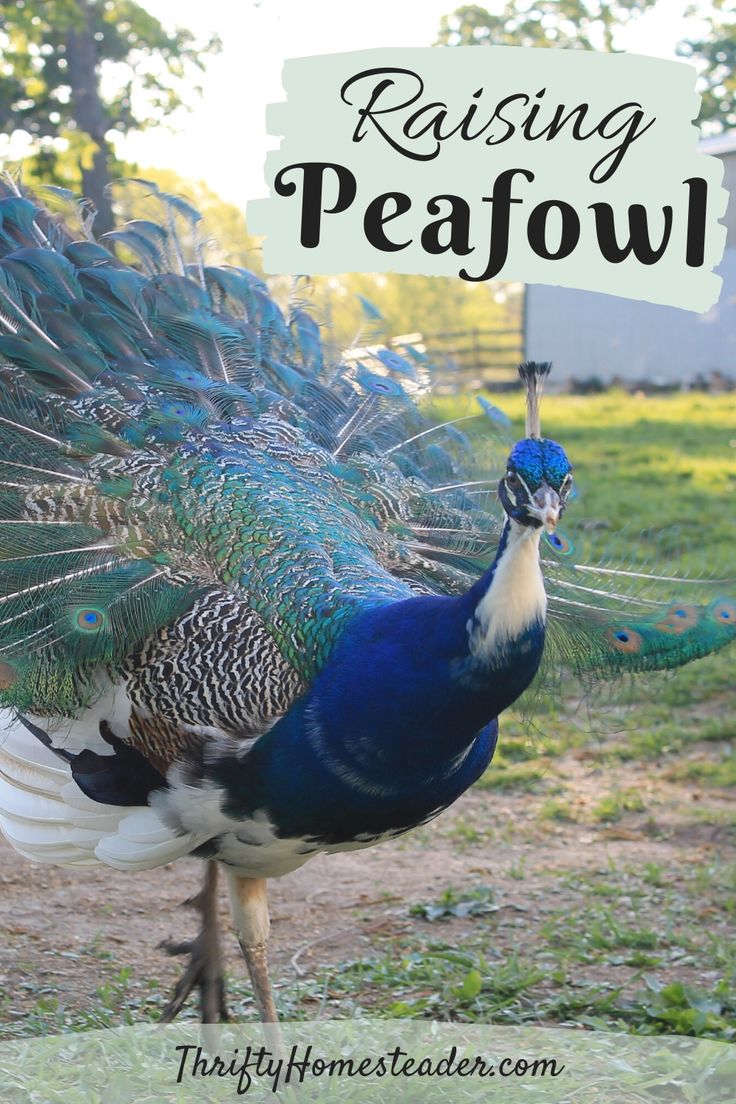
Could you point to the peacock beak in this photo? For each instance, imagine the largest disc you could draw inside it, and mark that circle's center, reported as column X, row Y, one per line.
column 547, row 506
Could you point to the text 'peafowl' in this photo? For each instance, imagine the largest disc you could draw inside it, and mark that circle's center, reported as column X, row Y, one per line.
column 254, row 603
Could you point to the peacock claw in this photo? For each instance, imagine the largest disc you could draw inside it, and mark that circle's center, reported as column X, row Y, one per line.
column 204, row 970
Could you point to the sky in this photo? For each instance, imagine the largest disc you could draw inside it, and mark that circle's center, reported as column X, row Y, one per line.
column 223, row 139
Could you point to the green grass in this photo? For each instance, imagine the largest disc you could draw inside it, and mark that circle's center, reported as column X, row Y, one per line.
column 596, row 965
column 721, row 774
column 513, row 776
column 556, row 809
column 613, row 806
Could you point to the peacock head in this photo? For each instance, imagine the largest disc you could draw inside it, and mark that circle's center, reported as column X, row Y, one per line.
column 538, row 475
column 537, row 482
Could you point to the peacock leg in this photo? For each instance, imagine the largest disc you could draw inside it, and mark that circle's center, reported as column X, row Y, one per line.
column 204, row 971
column 250, row 912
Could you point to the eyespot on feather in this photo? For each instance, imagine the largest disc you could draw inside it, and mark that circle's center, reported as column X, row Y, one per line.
column 560, row 543
column 724, row 612
column 90, row 620
column 395, row 363
column 379, row 385
column 624, row 639
column 678, row 619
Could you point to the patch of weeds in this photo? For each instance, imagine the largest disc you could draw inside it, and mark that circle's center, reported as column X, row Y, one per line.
column 604, row 888
column 514, row 776
column 717, row 728
column 475, row 902
column 638, row 960
column 442, row 982
column 99, row 947
column 519, row 746
column 722, row 954
column 713, row 877
column 557, row 809
column 724, row 819
column 612, row 807
column 653, row 874
column 46, row 1017
column 517, row 870
column 592, row 935
column 706, row 771
column 465, row 833
column 648, row 743
column 607, row 934
column 683, row 1010
column 114, row 996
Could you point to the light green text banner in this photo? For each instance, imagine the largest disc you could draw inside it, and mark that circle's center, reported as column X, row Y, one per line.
column 544, row 166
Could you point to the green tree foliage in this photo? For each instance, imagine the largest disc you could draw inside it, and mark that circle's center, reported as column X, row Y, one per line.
column 575, row 24
column 53, row 56
column 592, row 24
column 715, row 52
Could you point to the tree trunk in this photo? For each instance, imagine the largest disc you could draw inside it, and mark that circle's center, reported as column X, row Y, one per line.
column 89, row 113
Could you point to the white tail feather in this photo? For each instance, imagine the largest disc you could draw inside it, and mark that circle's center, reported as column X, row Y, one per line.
column 47, row 818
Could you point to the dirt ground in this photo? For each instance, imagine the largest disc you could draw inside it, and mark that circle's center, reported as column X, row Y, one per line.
column 66, row 933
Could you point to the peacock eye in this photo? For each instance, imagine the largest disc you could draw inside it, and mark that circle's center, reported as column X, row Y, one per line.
column 566, row 484
column 512, row 480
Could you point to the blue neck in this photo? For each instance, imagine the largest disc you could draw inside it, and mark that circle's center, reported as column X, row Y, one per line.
column 414, row 674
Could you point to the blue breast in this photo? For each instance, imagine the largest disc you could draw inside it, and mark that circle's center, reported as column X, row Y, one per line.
column 400, row 722
column 321, row 801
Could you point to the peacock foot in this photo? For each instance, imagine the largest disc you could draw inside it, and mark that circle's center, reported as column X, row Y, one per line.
column 204, row 971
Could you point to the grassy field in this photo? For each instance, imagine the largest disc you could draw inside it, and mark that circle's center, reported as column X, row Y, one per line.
column 598, row 875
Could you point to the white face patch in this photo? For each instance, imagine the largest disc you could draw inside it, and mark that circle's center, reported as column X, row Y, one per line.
column 515, row 495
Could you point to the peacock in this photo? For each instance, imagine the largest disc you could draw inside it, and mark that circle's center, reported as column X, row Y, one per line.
column 257, row 600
